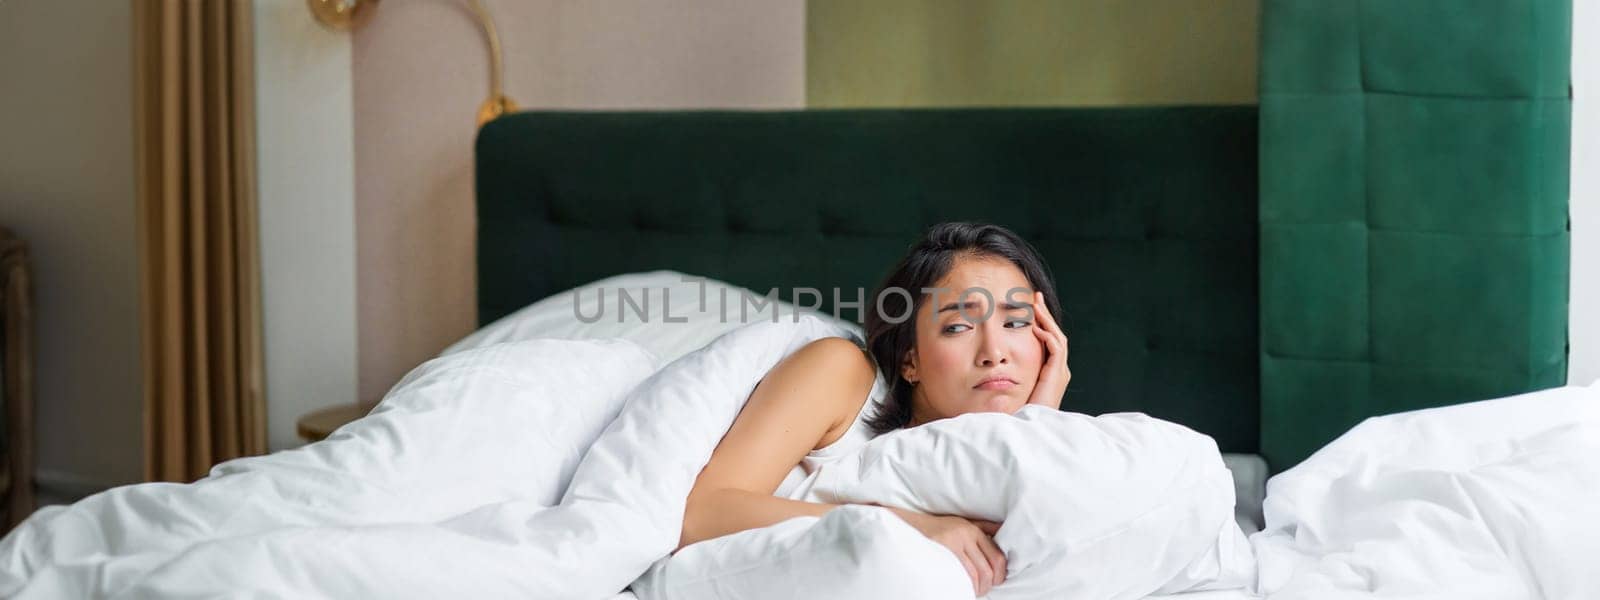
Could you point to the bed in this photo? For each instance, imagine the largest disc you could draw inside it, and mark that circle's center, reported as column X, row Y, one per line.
column 1387, row 233
column 1152, row 223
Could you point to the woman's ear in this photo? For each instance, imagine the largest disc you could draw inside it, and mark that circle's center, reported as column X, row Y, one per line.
column 908, row 367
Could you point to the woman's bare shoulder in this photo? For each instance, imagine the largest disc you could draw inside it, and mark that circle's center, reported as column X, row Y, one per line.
column 834, row 357
column 837, row 376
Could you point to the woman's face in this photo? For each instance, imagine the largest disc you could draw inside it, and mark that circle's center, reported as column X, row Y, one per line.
column 971, row 354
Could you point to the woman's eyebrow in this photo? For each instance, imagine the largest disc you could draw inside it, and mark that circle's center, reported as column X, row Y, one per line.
column 973, row 304
column 966, row 305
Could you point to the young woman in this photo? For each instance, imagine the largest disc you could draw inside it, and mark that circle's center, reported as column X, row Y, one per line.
column 980, row 337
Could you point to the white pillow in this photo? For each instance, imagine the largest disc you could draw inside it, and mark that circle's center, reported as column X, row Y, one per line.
column 1116, row 506
column 657, row 295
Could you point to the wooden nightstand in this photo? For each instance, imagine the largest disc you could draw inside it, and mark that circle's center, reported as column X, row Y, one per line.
column 315, row 426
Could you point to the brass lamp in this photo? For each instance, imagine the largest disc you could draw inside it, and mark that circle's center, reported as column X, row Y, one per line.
column 345, row 15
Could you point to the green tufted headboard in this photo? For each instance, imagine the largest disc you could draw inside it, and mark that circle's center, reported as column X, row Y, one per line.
column 1146, row 216
column 1414, row 244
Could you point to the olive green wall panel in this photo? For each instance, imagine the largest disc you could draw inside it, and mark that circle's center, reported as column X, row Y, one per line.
column 938, row 53
column 1413, row 208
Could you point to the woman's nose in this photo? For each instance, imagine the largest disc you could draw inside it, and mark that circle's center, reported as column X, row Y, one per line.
column 991, row 350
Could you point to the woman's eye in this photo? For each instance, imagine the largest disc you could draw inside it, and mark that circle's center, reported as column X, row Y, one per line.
column 1018, row 323
column 949, row 329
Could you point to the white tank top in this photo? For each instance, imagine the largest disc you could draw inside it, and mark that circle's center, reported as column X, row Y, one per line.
column 858, row 433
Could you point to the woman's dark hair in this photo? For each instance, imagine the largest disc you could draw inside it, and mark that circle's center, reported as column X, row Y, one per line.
column 928, row 261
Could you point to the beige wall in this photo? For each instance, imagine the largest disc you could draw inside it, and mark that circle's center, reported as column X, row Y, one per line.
column 305, row 160
column 420, row 72
column 1030, row 53
column 67, row 187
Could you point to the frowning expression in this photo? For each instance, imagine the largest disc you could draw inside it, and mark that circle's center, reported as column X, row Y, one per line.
column 975, row 349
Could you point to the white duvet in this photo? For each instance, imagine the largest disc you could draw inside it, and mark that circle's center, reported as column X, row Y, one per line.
column 1497, row 499
column 559, row 468
column 417, row 500
column 466, row 481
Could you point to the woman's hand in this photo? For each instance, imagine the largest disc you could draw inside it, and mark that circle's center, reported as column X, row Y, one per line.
column 971, row 540
column 1053, row 374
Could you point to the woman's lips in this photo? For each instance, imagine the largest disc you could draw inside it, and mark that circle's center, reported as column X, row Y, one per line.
column 995, row 384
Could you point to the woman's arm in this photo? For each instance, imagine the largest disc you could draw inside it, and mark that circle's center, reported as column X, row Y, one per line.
column 806, row 401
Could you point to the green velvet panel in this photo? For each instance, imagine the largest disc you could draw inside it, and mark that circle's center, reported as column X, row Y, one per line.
column 1414, row 236
column 1146, row 216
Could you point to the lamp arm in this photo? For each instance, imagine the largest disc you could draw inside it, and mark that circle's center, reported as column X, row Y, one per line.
column 344, row 15
column 489, row 33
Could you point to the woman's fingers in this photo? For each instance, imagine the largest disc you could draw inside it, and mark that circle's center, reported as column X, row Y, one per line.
column 1045, row 320
column 1051, row 343
column 1053, row 373
column 997, row 559
column 972, row 570
column 1041, row 312
column 1056, row 339
column 980, row 564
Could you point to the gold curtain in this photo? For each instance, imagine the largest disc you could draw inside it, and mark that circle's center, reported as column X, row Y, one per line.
column 201, row 308
column 16, row 381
